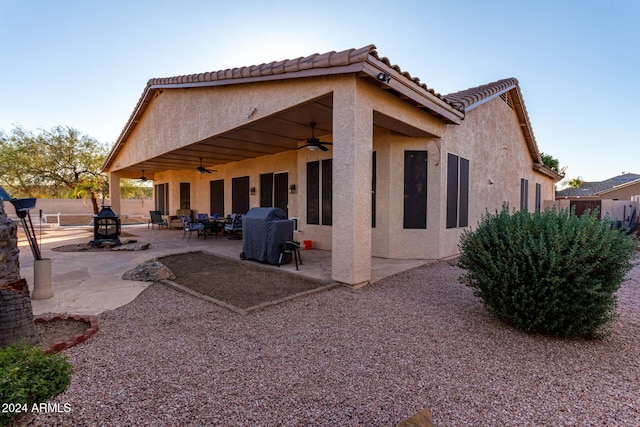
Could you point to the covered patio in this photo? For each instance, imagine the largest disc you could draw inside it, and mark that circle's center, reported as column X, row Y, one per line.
column 90, row 283
column 224, row 132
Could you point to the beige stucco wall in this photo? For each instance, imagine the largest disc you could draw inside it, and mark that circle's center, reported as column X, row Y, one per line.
column 491, row 139
column 625, row 192
column 179, row 117
column 200, row 184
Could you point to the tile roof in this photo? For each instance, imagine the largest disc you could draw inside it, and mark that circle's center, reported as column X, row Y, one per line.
column 593, row 188
column 475, row 95
column 346, row 61
column 325, row 60
column 468, row 99
column 315, row 61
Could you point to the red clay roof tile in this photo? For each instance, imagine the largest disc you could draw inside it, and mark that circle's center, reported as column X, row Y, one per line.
column 459, row 100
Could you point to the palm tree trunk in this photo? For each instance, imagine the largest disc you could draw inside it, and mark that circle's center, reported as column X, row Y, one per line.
column 16, row 315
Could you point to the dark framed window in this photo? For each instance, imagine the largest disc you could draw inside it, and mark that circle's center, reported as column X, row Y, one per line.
column 216, row 197
column 415, row 190
column 162, row 198
column 240, row 195
column 327, row 191
column 320, row 192
column 274, row 190
column 538, row 197
column 524, row 194
column 313, row 192
column 185, row 195
column 374, row 183
column 266, row 190
column 457, row 191
column 281, row 191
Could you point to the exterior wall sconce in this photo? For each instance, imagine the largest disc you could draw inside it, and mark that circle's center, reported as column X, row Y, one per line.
column 384, row 77
column 252, row 191
column 292, row 189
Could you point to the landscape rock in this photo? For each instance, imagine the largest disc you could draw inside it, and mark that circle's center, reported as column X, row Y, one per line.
column 133, row 246
column 149, row 271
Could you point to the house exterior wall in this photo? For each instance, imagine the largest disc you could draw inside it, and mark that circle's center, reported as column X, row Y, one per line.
column 177, row 118
column 253, row 168
column 625, row 192
column 491, row 139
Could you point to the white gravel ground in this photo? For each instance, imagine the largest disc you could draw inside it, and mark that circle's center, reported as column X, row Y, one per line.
column 370, row 357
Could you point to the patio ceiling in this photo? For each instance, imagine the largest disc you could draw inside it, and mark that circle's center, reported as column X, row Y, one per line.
column 286, row 130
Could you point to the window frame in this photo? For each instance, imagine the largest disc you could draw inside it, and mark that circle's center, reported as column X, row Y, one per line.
column 458, row 175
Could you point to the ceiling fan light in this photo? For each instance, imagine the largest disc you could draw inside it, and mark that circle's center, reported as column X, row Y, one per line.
column 312, row 147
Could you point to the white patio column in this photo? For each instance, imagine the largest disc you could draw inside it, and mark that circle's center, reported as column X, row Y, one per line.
column 114, row 192
column 352, row 147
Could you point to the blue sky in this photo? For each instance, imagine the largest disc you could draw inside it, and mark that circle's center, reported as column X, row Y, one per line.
column 84, row 64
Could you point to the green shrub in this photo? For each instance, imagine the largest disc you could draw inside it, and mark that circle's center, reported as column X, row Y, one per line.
column 29, row 376
column 549, row 272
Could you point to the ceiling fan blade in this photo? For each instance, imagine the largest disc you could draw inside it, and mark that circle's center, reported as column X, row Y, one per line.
column 322, row 147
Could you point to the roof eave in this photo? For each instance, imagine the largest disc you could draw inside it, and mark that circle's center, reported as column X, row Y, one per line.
column 151, row 89
column 544, row 169
column 618, row 187
column 409, row 89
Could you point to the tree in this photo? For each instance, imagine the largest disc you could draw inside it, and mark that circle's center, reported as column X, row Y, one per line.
column 61, row 162
column 550, row 162
column 576, row 182
column 134, row 189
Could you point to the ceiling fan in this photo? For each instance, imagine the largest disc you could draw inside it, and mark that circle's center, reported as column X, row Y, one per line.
column 201, row 169
column 143, row 178
column 314, row 143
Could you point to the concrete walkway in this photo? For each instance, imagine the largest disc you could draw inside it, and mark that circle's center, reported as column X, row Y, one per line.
column 90, row 282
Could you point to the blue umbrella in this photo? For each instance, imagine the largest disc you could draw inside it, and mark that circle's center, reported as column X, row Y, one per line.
column 3, row 194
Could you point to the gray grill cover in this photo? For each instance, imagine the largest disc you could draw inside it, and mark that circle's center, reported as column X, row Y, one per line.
column 264, row 231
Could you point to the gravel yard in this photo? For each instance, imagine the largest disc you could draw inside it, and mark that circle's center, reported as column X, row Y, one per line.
column 370, row 357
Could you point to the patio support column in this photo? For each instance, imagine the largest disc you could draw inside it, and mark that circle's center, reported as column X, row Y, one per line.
column 114, row 192
column 352, row 147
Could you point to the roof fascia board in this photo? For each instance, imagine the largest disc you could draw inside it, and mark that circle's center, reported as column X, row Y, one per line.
column 413, row 91
column 544, row 169
column 133, row 120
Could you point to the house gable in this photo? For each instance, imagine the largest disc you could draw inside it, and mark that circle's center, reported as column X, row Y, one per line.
column 253, row 121
column 509, row 91
column 363, row 62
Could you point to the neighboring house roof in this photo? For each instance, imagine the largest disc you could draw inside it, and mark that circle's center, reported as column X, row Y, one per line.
column 594, row 188
column 365, row 61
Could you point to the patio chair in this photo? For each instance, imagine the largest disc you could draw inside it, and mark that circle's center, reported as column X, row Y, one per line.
column 189, row 225
column 292, row 248
column 233, row 226
column 156, row 219
column 210, row 227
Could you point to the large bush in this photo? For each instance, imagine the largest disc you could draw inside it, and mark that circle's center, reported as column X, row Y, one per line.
column 547, row 272
column 29, row 376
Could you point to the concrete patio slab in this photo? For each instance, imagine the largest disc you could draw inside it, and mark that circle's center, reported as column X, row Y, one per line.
column 90, row 282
